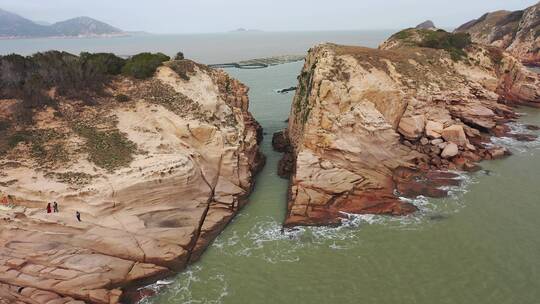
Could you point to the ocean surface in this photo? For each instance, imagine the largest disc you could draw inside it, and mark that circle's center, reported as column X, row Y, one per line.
column 481, row 245
column 204, row 48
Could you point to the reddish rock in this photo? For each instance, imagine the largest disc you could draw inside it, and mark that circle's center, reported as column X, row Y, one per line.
column 523, row 137
column 286, row 165
column 532, row 127
column 280, row 142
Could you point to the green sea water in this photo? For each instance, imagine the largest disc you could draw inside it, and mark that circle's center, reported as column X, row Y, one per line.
column 481, row 245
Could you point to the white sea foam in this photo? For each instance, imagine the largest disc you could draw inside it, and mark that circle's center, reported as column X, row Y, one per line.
column 515, row 145
column 182, row 289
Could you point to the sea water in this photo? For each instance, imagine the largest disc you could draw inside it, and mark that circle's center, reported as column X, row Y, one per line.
column 204, row 48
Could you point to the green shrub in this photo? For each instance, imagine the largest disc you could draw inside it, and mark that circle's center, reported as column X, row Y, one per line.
column 102, row 63
column 179, row 56
column 17, row 138
column 144, row 65
column 4, row 125
column 122, row 98
column 75, row 77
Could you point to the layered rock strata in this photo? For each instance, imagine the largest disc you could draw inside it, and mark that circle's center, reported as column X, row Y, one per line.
column 192, row 151
column 368, row 126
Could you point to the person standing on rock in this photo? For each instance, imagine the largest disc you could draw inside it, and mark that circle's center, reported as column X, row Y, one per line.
column 55, row 207
column 49, row 208
column 78, row 215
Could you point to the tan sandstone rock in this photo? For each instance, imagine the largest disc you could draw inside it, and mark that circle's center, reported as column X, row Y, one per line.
column 412, row 127
column 356, row 123
column 434, row 129
column 190, row 151
column 450, row 150
column 455, row 134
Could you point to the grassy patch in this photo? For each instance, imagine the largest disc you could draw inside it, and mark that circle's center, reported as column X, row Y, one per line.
column 109, row 150
column 46, row 146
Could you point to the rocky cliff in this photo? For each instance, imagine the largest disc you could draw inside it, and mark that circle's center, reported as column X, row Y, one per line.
column 156, row 168
column 368, row 126
column 517, row 32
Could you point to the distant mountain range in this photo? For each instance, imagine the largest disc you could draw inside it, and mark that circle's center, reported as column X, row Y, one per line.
column 15, row 26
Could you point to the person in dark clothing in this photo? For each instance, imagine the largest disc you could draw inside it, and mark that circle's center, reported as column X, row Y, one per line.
column 78, row 215
column 55, row 207
column 49, row 208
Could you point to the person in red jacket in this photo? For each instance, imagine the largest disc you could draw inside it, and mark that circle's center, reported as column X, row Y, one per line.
column 49, row 208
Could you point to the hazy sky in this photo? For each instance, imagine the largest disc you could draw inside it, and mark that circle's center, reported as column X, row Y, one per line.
column 194, row 16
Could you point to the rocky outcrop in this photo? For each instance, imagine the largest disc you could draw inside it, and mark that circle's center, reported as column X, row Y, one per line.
column 368, row 126
column 426, row 25
column 155, row 167
column 517, row 32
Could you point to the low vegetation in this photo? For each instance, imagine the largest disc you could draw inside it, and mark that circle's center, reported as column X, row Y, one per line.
column 144, row 65
column 453, row 43
column 109, row 149
column 72, row 178
column 33, row 78
column 55, row 79
column 45, row 145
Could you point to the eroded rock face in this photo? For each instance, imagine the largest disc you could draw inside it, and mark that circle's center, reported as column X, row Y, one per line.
column 517, row 32
column 367, row 126
column 194, row 149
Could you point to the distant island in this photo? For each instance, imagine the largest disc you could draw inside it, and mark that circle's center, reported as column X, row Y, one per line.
column 13, row 26
column 243, row 30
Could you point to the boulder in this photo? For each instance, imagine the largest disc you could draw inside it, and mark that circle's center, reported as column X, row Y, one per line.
column 498, row 152
column 437, row 142
column 450, row 151
column 434, row 129
column 412, row 127
column 455, row 134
